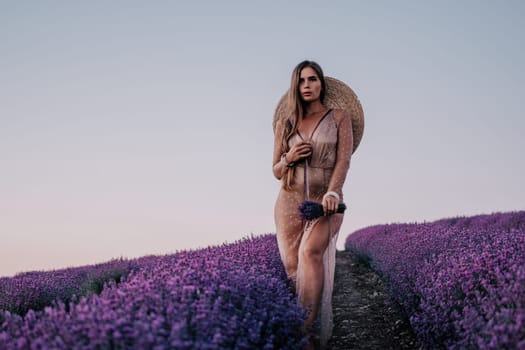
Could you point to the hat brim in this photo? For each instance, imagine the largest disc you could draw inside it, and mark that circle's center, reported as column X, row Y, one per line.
column 338, row 95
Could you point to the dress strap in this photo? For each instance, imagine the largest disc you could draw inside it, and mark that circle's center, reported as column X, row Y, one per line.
column 306, row 186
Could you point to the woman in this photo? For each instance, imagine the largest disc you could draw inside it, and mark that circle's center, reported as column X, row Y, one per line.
column 312, row 152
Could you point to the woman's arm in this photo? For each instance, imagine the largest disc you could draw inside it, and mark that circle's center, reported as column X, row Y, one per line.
column 297, row 152
column 345, row 144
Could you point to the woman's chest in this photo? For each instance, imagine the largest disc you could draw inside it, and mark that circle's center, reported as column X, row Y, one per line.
column 324, row 134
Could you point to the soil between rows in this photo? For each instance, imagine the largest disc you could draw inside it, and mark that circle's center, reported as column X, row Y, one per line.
column 364, row 316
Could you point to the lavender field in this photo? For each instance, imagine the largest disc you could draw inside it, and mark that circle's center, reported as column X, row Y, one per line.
column 231, row 296
column 37, row 289
column 461, row 280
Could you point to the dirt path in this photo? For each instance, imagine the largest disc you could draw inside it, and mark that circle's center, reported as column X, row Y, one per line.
column 364, row 317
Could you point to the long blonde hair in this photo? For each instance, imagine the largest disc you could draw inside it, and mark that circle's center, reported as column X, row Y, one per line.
column 296, row 109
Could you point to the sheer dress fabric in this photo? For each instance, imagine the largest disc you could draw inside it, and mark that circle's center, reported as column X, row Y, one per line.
column 324, row 171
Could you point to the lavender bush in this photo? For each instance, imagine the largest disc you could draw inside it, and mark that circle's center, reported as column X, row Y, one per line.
column 227, row 297
column 309, row 210
column 461, row 280
column 38, row 289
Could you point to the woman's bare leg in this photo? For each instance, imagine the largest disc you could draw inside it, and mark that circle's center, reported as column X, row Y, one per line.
column 311, row 281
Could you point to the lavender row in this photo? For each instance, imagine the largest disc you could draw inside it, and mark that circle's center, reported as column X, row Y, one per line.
column 38, row 289
column 232, row 296
column 461, row 280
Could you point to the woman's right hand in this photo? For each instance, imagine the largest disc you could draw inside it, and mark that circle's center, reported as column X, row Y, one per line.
column 299, row 151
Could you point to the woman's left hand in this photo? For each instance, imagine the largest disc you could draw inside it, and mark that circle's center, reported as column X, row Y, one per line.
column 330, row 204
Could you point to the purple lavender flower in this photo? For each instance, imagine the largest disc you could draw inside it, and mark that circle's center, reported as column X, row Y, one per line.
column 460, row 280
column 231, row 296
column 38, row 289
column 311, row 210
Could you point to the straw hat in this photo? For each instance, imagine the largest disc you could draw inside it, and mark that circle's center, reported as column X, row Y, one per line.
column 338, row 95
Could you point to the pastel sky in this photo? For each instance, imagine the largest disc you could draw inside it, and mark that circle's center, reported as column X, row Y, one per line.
column 130, row 128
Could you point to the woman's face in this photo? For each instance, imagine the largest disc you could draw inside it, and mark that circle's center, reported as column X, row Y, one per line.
column 309, row 85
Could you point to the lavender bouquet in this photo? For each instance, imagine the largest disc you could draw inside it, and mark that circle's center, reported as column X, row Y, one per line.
column 311, row 210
